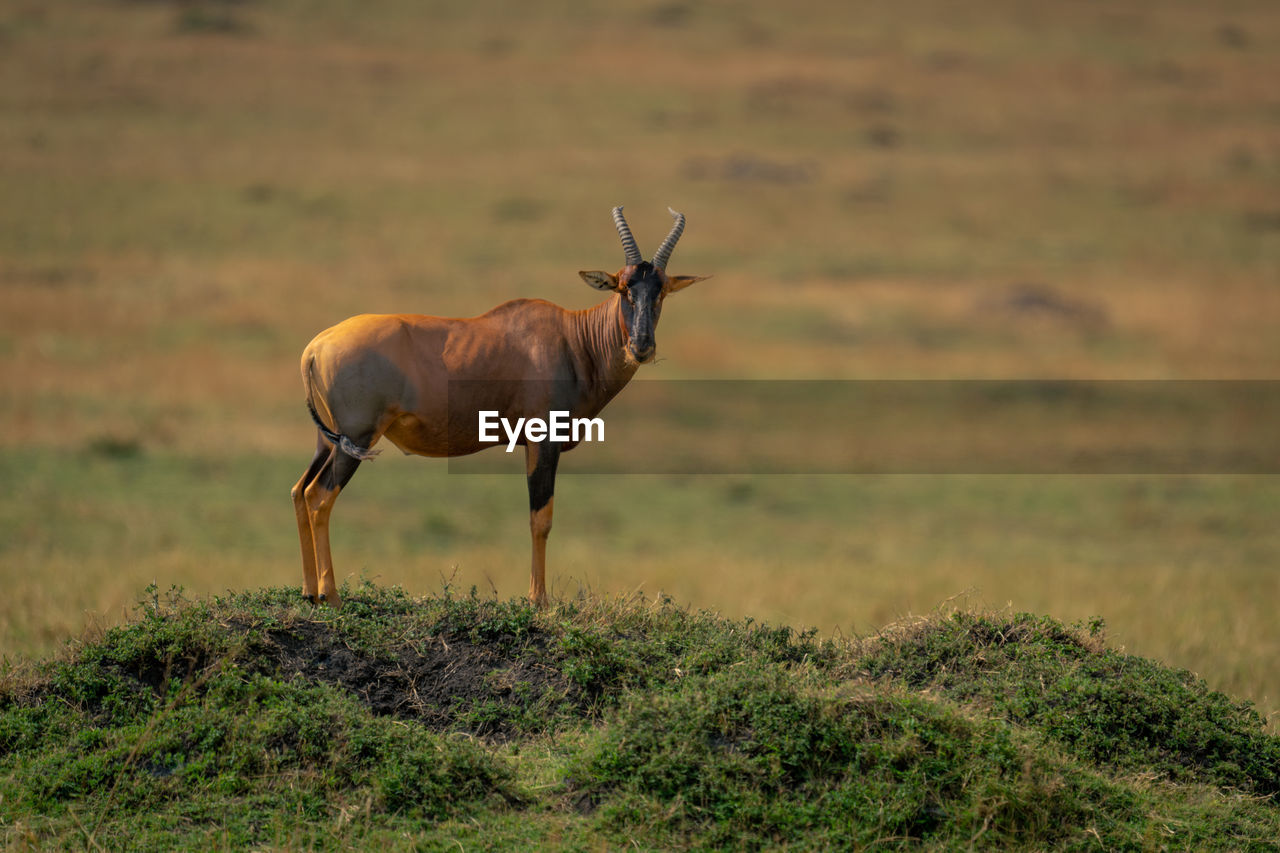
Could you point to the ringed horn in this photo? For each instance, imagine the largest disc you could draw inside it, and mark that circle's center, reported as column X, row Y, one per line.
column 632, row 252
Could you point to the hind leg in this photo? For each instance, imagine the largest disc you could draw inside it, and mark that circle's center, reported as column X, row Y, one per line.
column 319, row 497
column 310, row 584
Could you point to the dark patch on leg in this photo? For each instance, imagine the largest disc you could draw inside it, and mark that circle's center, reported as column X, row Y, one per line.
column 542, row 480
column 337, row 474
column 323, row 450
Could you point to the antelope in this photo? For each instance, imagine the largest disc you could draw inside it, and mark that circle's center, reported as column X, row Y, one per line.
column 419, row 381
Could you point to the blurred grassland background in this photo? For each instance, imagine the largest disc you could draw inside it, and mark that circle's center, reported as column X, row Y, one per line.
column 190, row 190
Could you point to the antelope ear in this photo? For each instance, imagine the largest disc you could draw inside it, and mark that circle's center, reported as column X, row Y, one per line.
column 680, row 282
column 600, row 280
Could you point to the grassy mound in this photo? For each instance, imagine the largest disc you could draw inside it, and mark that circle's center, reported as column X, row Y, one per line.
column 254, row 720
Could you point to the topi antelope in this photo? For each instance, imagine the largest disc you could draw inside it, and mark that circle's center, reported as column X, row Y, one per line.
column 420, row 381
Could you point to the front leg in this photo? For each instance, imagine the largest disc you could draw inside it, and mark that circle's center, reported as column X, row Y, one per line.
column 540, row 467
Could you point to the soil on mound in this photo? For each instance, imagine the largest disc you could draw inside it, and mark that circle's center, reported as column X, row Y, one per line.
column 444, row 683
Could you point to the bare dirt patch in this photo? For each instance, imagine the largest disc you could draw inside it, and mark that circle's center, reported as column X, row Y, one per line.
column 445, row 683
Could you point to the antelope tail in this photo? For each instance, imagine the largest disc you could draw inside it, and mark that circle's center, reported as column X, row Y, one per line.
column 339, row 440
column 343, row 443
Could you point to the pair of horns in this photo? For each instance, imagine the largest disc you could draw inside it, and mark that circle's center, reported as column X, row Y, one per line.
column 632, row 251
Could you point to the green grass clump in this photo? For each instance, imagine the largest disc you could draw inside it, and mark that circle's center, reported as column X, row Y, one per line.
column 249, row 761
column 254, row 720
column 1108, row 706
column 163, row 733
column 262, row 739
column 757, row 757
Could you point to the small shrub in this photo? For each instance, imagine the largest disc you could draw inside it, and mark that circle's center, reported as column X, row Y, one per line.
column 1100, row 703
column 751, row 757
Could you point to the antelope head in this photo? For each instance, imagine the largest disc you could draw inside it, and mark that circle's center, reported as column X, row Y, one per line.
column 642, row 286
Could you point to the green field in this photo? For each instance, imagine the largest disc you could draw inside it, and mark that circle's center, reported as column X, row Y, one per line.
column 190, row 190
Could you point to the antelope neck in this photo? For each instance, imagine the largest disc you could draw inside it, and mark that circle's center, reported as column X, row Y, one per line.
column 603, row 338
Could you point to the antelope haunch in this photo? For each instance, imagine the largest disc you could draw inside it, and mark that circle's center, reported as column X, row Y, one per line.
column 420, row 382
